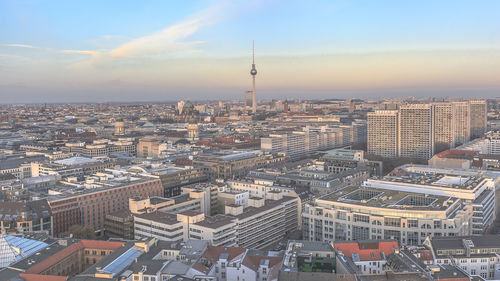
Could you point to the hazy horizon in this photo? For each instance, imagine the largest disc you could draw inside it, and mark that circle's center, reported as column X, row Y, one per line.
column 144, row 51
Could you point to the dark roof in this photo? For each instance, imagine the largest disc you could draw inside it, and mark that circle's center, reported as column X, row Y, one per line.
column 269, row 204
column 215, row 221
column 161, row 217
column 16, row 162
column 456, row 242
column 148, row 267
column 449, row 272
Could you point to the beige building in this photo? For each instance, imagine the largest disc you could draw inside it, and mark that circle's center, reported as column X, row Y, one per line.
column 262, row 223
column 148, row 148
column 193, row 132
column 444, row 125
column 358, row 213
column 383, row 133
column 478, row 118
column 119, row 128
column 461, row 117
column 416, row 131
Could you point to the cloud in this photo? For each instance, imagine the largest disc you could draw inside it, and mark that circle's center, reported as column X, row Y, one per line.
column 81, row 52
column 19, row 46
column 169, row 39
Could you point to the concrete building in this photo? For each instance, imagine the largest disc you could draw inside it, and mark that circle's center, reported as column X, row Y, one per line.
column 87, row 203
column 478, row 118
column 383, row 133
column 476, row 255
column 426, row 128
column 475, row 189
column 444, row 124
column 229, row 164
column 233, row 198
column 262, row 223
column 159, row 225
column 24, row 217
column 416, row 131
column 369, row 256
column 100, row 148
column 341, row 160
column 462, row 119
column 148, row 148
column 173, row 178
column 299, row 144
column 119, row 224
column 358, row 213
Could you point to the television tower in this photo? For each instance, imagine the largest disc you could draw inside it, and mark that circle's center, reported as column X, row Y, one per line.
column 253, row 72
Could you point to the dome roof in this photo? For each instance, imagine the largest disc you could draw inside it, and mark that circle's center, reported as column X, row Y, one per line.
column 188, row 104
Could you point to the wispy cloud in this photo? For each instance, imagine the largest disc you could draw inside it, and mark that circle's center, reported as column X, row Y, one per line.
column 19, row 46
column 80, row 52
column 170, row 41
column 165, row 41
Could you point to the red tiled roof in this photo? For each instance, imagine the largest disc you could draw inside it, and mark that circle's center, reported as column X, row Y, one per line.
column 467, row 154
column 39, row 277
column 212, row 253
column 367, row 250
column 253, row 262
column 201, row 268
column 109, row 245
column 425, row 255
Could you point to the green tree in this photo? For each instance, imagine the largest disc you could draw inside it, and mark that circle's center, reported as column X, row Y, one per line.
column 80, row 232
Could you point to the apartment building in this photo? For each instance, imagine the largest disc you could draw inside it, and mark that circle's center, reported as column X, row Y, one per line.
column 229, row 164
column 261, row 224
column 478, row 118
column 383, row 133
column 416, row 131
column 425, row 128
column 87, row 203
column 476, row 255
column 360, row 213
column 299, row 144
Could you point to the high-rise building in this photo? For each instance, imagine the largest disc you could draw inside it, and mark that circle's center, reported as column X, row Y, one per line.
column 478, row 116
column 383, row 133
column 444, row 124
column 462, row 122
column 248, row 99
column 425, row 129
column 416, row 131
column 253, row 72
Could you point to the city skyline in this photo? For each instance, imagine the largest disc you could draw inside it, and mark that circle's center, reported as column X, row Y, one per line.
column 153, row 51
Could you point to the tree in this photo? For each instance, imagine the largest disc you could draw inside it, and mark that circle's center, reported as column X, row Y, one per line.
column 80, row 232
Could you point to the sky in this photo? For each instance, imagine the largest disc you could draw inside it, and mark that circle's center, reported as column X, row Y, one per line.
column 120, row 50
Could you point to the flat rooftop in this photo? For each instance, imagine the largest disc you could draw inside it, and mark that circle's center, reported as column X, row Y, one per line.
column 385, row 198
column 66, row 191
column 75, row 161
column 161, row 217
column 469, row 182
column 216, row 221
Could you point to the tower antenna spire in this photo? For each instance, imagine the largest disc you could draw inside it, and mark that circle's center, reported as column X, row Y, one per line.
column 253, row 72
column 253, row 52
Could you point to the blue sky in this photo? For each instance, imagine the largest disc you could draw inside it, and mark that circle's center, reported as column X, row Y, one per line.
column 65, row 51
